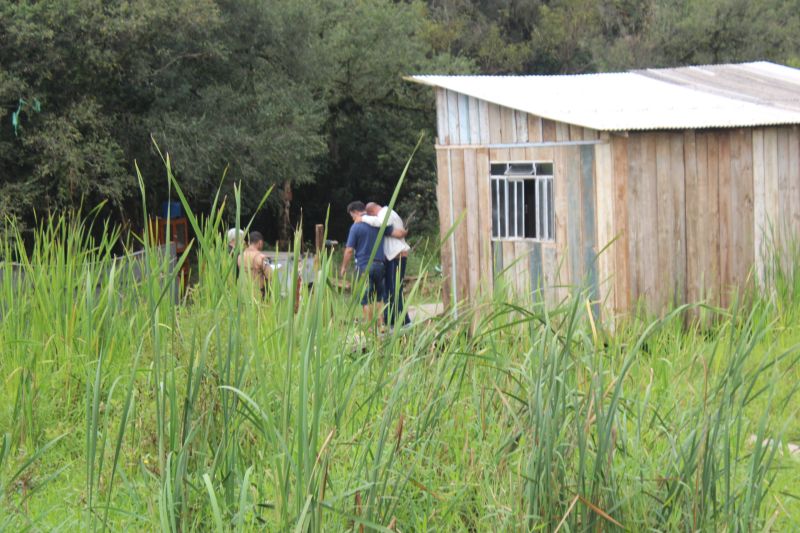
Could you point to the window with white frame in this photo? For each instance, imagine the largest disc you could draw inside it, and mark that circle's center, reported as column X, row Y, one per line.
column 522, row 201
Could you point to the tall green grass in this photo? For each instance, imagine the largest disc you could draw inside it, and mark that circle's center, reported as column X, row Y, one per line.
column 124, row 408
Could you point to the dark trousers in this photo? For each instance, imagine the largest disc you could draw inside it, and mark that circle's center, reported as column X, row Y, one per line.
column 395, row 272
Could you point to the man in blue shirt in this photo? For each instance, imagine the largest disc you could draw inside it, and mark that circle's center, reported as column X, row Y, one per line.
column 360, row 242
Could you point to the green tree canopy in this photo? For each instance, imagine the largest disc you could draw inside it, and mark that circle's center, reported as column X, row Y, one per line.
column 302, row 93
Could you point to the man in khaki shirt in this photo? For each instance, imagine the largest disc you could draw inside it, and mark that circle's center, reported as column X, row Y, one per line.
column 253, row 261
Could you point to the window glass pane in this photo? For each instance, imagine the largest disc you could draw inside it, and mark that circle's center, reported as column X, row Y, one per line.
column 497, row 169
column 520, row 169
column 544, row 169
column 529, row 209
column 512, row 208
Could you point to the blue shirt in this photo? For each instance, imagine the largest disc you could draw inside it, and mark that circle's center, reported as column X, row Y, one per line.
column 361, row 239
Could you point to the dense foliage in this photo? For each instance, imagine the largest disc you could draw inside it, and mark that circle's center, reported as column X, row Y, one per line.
column 304, row 93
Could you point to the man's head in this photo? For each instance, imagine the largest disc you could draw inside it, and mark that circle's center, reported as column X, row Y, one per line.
column 233, row 235
column 372, row 208
column 356, row 209
column 256, row 240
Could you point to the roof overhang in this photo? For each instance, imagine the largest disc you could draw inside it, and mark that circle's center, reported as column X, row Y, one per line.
column 716, row 96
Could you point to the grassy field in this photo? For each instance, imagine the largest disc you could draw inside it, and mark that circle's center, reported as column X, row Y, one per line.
column 123, row 410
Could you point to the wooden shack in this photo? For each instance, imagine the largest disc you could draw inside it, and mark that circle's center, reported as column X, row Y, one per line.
column 659, row 186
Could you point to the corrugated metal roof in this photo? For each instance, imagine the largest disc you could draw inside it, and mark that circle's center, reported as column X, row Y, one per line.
column 713, row 96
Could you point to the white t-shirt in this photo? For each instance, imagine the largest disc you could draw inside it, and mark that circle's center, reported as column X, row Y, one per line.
column 392, row 247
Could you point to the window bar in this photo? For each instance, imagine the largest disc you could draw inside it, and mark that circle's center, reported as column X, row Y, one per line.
column 548, row 184
column 496, row 228
column 521, row 210
column 546, row 216
column 537, row 199
column 539, row 228
column 516, row 208
column 539, row 196
column 505, row 185
column 545, row 209
column 535, row 214
column 500, row 200
column 551, row 220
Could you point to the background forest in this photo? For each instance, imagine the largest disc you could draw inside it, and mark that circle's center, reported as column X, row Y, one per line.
column 306, row 95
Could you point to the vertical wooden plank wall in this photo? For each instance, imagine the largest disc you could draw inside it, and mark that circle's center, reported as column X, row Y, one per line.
column 552, row 131
column 527, row 265
column 772, row 218
column 605, row 189
column 776, row 197
column 683, row 215
column 643, row 213
column 784, row 229
column 665, row 201
column 711, row 231
column 570, row 174
column 793, row 158
column 724, row 200
column 742, row 248
column 693, row 213
column 589, row 277
column 759, row 206
column 443, row 206
column 677, row 189
column 621, row 227
column 648, row 206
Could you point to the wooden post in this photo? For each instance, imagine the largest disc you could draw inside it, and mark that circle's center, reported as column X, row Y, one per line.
column 319, row 242
column 319, row 236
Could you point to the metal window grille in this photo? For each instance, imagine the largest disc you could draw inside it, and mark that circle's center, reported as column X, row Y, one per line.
column 522, row 201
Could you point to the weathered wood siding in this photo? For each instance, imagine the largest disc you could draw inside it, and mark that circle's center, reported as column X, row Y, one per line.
column 697, row 214
column 655, row 218
column 466, row 126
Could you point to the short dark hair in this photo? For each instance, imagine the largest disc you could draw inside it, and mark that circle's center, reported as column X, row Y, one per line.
column 356, row 206
column 255, row 236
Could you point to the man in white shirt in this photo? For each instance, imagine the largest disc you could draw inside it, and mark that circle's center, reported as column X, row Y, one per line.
column 234, row 237
column 396, row 252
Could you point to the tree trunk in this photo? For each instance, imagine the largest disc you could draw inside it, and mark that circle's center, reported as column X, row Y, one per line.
column 286, row 221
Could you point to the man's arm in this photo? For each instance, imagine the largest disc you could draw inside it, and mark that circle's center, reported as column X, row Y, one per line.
column 348, row 255
column 372, row 220
column 262, row 265
column 396, row 231
column 352, row 241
